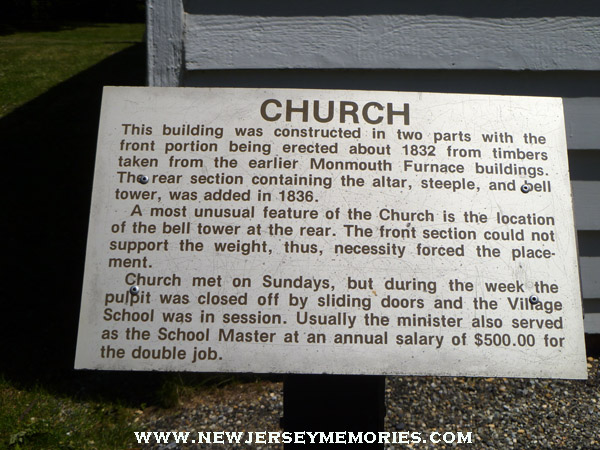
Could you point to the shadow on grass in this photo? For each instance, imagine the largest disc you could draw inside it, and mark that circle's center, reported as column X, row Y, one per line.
column 16, row 27
column 47, row 25
column 48, row 147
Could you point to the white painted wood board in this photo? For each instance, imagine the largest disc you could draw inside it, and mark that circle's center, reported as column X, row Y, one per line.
column 391, row 42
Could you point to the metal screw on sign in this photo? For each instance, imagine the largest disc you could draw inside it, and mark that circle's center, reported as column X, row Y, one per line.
column 533, row 299
column 526, row 188
column 134, row 290
column 143, row 179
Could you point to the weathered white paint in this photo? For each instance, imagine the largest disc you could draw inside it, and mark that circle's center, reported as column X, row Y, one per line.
column 391, row 42
column 165, row 42
column 343, row 262
column 586, row 202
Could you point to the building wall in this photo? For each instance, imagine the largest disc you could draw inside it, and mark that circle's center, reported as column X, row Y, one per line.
column 540, row 49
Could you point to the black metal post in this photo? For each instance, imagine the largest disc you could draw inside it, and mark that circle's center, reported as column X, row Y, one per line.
column 334, row 403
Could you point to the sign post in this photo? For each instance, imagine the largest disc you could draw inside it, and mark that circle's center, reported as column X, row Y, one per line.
column 331, row 232
column 329, row 403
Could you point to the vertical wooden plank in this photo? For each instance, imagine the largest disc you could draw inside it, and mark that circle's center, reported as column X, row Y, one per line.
column 165, row 42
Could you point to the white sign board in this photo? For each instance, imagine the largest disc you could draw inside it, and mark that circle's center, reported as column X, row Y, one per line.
column 320, row 231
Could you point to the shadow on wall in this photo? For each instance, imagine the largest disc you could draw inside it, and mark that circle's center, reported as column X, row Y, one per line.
column 48, row 147
column 465, row 8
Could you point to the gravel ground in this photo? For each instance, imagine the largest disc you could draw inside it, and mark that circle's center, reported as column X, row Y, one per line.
column 501, row 413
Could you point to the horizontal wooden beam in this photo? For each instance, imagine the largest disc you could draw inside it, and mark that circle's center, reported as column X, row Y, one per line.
column 391, row 42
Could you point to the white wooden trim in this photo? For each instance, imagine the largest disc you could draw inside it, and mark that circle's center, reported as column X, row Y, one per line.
column 165, row 42
column 392, row 42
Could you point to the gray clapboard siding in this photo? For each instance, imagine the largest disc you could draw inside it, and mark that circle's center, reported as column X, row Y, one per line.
column 165, row 42
column 591, row 321
column 465, row 8
column 590, row 280
column 586, row 203
column 475, row 54
column 582, row 113
column 591, row 306
column 392, row 42
column 569, row 84
column 582, row 122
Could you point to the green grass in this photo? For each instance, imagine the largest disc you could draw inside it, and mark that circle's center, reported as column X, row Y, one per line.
column 70, row 414
column 33, row 62
column 36, row 419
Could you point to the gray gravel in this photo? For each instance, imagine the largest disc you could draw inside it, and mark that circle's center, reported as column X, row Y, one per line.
column 501, row 413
